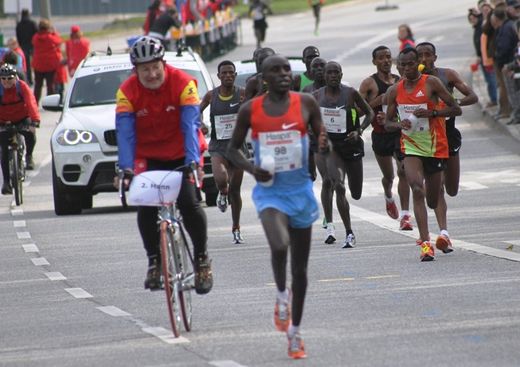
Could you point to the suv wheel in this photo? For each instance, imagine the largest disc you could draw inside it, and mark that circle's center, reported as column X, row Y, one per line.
column 66, row 201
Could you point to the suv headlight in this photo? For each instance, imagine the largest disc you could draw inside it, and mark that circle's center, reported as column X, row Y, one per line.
column 75, row 137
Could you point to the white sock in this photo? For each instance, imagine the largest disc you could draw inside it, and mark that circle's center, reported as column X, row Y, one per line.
column 292, row 330
column 283, row 296
column 389, row 200
column 404, row 212
column 330, row 224
column 445, row 233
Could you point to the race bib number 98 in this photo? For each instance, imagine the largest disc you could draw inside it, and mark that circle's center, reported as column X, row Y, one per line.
column 284, row 146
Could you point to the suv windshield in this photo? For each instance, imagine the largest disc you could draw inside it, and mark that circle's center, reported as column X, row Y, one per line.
column 101, row 88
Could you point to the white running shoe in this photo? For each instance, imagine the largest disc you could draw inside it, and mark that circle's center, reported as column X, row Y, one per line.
column 350, row 241
column 222, row 202
column 331, row 234
column 237, row 237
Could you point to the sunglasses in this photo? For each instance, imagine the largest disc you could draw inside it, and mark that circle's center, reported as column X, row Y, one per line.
column 7, row 77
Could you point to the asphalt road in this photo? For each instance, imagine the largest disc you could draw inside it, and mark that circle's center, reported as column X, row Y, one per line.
column 71, row 287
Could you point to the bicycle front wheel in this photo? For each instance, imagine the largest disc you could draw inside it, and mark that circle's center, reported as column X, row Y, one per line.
column 170, row 278
column 188, row 278
column 16, row 182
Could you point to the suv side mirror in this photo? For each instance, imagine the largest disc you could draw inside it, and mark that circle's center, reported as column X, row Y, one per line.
column 52, row 103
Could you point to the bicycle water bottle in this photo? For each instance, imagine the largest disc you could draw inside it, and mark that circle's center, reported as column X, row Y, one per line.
column 268, row 163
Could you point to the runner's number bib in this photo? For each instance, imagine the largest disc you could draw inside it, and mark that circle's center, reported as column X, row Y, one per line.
column 224, row 126
column 335, row 120
column 418, row 124
column 285, row 146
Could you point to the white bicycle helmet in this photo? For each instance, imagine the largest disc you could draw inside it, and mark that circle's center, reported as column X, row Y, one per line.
column 146, row 49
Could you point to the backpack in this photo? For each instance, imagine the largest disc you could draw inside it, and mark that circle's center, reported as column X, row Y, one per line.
column 18, row 91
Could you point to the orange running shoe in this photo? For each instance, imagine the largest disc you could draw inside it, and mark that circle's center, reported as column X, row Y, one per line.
column 443, row 244
column 391, row 209
column 427, row 253
column 405, row 224
column 296, row 347
column 282, row 314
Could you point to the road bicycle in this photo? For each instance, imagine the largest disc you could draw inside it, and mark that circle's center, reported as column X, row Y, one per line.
column 16, row 161
column 161, row 188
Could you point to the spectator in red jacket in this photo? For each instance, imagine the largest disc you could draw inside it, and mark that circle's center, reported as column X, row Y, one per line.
column 46, row 58
column 153, row 12
column 76, row 49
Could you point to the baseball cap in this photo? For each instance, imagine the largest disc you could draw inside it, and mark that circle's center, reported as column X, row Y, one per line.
column 74, row 29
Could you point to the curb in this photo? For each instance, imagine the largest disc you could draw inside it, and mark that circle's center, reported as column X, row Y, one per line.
column 479, row 87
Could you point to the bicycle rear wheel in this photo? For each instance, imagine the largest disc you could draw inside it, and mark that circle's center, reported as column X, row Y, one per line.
column 188, row 279
column 170, row 278
column 16, row 182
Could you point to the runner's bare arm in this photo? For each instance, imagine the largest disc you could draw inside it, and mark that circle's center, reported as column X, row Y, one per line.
column 362, row 104
column 391, row 123
column 469, row 95
column 205, row 101
column 234, row 149
column 315, row 121
column 251, row 88
column 437, row 89
column 368, row 90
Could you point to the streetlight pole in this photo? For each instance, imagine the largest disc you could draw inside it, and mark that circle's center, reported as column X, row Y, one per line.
column 45, row 9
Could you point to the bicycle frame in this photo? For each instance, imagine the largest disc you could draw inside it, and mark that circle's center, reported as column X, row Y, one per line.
column 16, row 162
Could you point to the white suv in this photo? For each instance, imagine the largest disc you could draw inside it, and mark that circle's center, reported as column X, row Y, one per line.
column 83, row 144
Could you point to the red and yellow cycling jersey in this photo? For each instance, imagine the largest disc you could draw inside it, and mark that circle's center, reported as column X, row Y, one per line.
column 160, row 124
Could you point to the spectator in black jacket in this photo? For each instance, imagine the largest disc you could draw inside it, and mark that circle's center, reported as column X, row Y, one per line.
column 160, row 27
column 506, row 47
column 26, row 28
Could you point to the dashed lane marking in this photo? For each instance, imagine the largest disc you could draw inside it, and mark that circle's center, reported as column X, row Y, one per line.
column 113, row 311
column 23, row 235
column 19, row 223
column 55, row 275
column 40, row 261
column 16, row 212
column 383, row 276
column 30, row 247
column 225, row 364
column 165, row 335
column 78, row 293
column 336, row 280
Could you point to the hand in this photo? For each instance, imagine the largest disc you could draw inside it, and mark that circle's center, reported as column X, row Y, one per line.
column 421, row 112
column 406, row 124
column 380, row 118
column 353, row 135
column 489, row 68
column 204, row 129
column 261, row 174
column 323, row 142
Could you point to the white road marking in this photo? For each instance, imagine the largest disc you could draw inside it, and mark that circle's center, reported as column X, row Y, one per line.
column 513, row 242
column 31, row 247
column 225, row 364
column 113, row 311
column 78, row 293
column 19, row 223
column 39, row 261
column 383, row 276
column 336, row 280
column 165, row 335
column 437, row 39
column 23, row 235
column 386, row 222
column 16, row 212
column 55, row 275
column 472, row 185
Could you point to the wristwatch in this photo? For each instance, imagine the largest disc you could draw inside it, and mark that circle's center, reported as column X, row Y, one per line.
column 434, row 113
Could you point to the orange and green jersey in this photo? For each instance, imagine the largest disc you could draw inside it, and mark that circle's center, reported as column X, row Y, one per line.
column 427, row 136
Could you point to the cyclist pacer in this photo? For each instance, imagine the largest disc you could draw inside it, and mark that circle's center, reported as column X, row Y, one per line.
column 418, row 98
column 224, row 102
column 157, row 121
column 287, row 207
column 451, row 80
column 17, row 106
column 386, row 144
column 338, row 104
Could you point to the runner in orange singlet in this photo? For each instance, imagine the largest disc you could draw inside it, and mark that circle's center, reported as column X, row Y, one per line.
column 423, row 137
